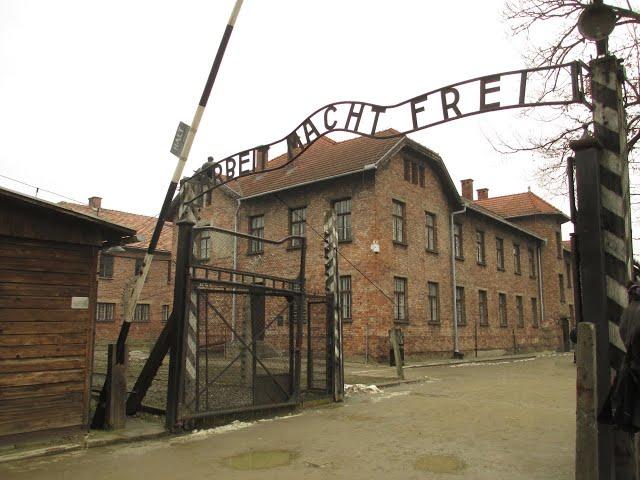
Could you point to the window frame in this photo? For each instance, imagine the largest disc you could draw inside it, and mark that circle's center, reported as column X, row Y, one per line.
column 535, row 319
column 207, row 240
column 458, row 241
column 405, row 300
column 520, row 311
column 481, row 251
column 434, row 230
column 533, row 271
column 461, row 310
column 112, row 308
column 433, row 303
column 483, row 313
column 165, row 313
column 500, row 253
column 344, row 229
column 103, row 261
column 301, row 224
column 503, row 319
column 140, row 307
column 559, row 244
column 348, row 294
column 401, row 220
column 256, row 247
column 517, row 259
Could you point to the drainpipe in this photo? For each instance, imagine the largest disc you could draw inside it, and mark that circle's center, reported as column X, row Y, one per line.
column 235, row 267
column 453, row 281
column 540, row 295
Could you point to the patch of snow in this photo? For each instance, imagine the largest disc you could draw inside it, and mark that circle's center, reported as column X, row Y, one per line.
column 360, row 388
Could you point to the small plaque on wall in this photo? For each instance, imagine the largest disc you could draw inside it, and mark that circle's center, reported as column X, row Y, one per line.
column 80, row 303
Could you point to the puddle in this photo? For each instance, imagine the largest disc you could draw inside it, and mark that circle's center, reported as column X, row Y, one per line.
column 260, row 460
column 439, row 463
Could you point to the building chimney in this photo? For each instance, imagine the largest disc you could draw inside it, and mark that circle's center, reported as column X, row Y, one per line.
column 262, row 157
column 483, row 193
column 467, row 189
column 95, row 202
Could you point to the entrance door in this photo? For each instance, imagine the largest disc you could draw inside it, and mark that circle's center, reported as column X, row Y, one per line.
column 566, row 345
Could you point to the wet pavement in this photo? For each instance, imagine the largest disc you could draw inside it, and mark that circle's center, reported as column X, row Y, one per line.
column 506, row 420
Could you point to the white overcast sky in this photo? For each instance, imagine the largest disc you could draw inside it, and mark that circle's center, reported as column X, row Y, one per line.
column 91, row 92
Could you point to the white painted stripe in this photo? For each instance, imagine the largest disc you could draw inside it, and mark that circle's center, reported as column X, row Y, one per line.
column 615, row 246
column 614, row 337
column 131, row 300
column 190, row 369
column 193, row 322
column 192, row 345
column 605, row 78
column 611, row 162
column 235, row 12
column 608, row 117
column 612, row 201
column 616, row 292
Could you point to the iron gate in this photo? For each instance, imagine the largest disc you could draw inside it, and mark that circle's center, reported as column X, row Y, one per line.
column 240, row 341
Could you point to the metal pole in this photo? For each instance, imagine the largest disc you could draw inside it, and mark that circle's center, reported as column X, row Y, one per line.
column 134, row 294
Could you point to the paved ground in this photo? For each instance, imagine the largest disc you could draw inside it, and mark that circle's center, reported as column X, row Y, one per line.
column 506, row 420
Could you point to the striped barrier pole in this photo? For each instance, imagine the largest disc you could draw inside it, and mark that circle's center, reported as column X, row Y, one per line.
column 332, row 290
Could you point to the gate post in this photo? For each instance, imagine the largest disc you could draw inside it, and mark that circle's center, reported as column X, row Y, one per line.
column 331, row 288
column 177, row 340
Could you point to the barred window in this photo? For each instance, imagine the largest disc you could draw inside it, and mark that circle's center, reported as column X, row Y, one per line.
column 457, row 240
column 105, row 312
column 483, row 307
column 432, row 233
column 106, row 266
column 502, row 309
column 298, row 224
column 141, row 313
column 520, row 311
column 480, row 250
column 532, row 263
column 500, row 253
column 517, row 268
column 256, row 229
column 461, row 314
column 398, row 222
column 345, row 296
column 434, row 310
column 343, row 219
column 534, row 312
column 165, row 313
column 400, row 294
column 204, row 250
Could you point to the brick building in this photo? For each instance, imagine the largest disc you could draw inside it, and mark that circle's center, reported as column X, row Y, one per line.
column 414, row 253
column 116, row 272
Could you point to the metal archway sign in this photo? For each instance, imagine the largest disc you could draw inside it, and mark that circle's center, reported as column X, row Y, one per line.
column 500, row 91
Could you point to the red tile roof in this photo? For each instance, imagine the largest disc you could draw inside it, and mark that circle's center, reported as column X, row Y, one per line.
column 142, row 224
column 520, row 205
column 322, row 160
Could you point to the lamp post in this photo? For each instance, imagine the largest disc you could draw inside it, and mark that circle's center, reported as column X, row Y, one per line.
column 603, row 227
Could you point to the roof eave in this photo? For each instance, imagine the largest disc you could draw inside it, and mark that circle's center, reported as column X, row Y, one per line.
column 502, row 220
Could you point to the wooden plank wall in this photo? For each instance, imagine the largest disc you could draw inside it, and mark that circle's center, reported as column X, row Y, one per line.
column 45, row 345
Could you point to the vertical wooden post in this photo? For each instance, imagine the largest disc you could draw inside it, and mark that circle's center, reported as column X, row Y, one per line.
column 116, row 389
column 332, row 289
column 177, row 337
column 586, row 428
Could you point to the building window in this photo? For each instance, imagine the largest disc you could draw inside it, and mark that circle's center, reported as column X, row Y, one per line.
column 256, row 229
column 534, row 312
column 105, row 312
column 407, row 170
column 500, row 253
column 532, row 263
column 483, row 307
column 138, row 268
column 141, row 313
column 457, row 241
column 165, row 313
column 208, row 197
column 563, row 297
column 421, row 175
column 517, row 268
column 399, row 222
column 480, row 251
column 461, row 314
column 432, row 233
column 520, row 311
column 204, row 248
column 414, row 173
column 169, row 271
column 434, row 300
column 567, row 266
column 572, row 315
column 106, row 266
column 400, row 295
column 502, row 309
column 343, row 219
column 345, row 297
column 298, row 225
column 559, row 244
